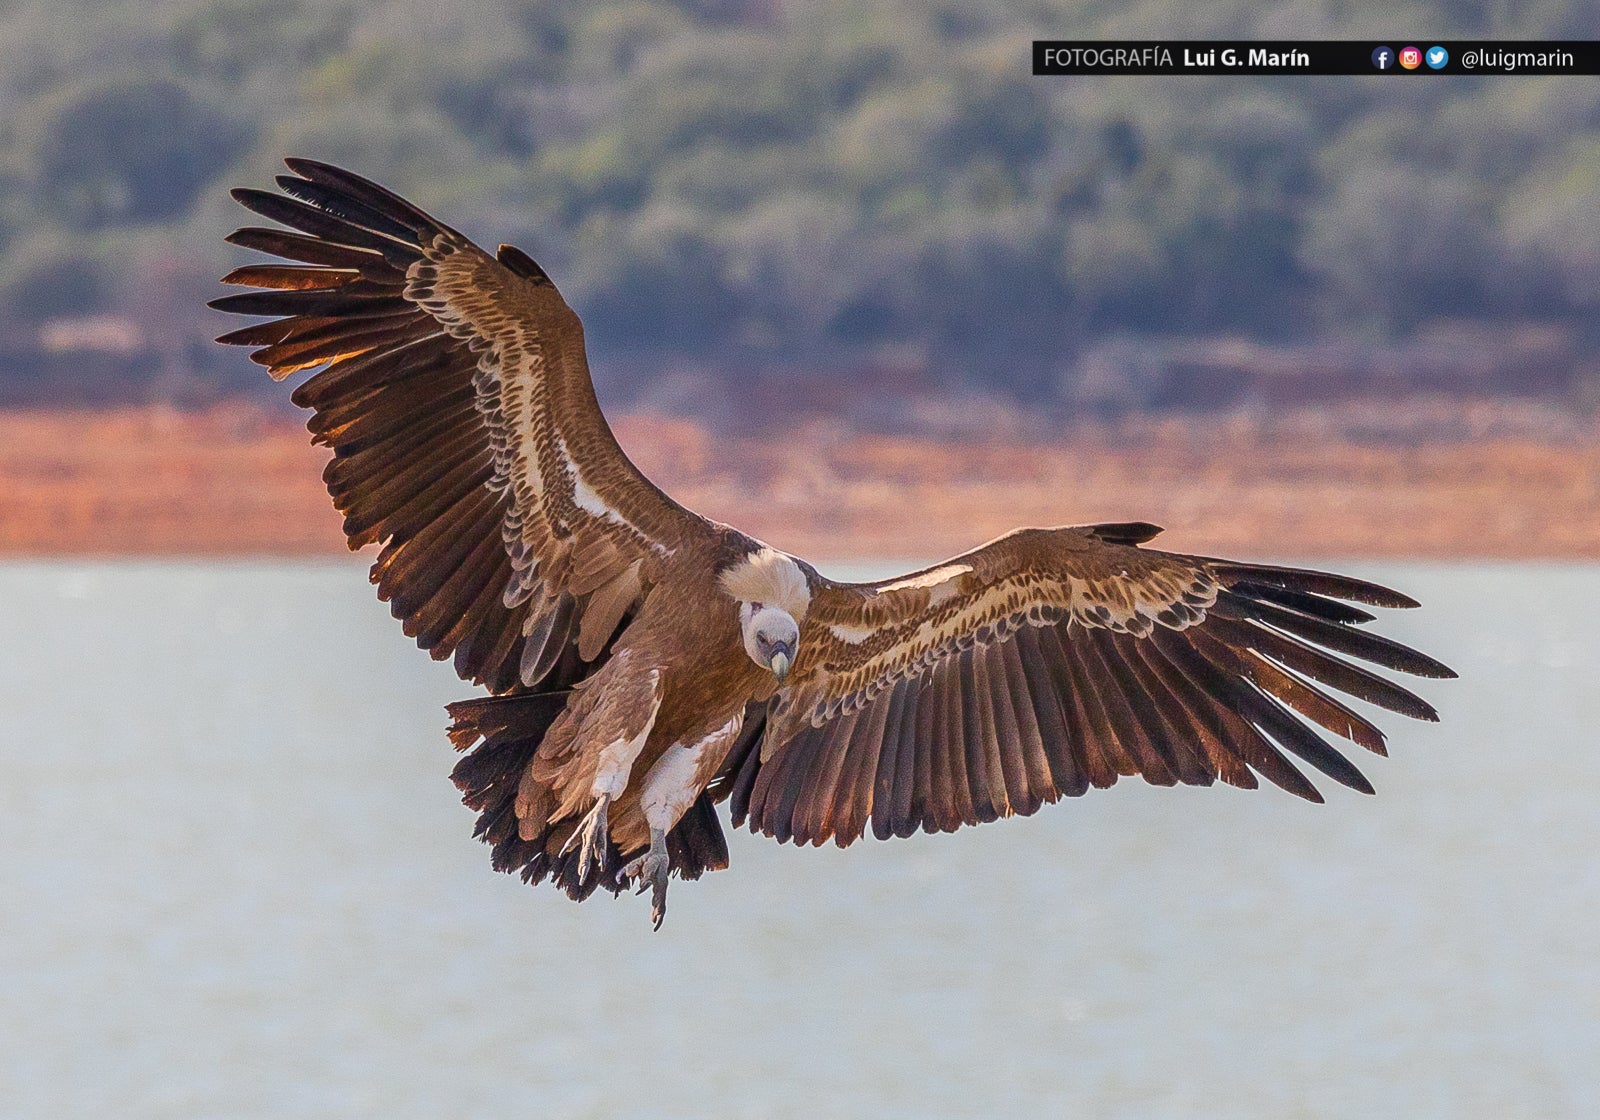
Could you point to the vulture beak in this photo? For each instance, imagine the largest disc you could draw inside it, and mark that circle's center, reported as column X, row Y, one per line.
column 780, row 663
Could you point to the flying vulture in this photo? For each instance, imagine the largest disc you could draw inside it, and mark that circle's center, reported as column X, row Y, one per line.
column 644, row 663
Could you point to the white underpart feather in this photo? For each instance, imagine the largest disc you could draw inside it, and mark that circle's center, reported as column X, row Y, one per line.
column 618, row 756
column 674, row 781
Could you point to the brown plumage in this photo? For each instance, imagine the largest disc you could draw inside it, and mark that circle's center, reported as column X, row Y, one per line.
column 645, row 663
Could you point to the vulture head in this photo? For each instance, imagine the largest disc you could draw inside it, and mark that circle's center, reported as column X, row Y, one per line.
column 771, row 637
column 773, row 595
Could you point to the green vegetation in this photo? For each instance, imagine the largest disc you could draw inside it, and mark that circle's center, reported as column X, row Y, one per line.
column 816, row 186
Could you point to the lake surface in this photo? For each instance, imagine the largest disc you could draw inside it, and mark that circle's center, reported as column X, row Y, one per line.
column 236, row 882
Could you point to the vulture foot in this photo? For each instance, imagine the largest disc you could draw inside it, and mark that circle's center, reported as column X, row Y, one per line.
column 651, row 870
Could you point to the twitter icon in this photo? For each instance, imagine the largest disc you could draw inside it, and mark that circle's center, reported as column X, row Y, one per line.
column 1437, row 58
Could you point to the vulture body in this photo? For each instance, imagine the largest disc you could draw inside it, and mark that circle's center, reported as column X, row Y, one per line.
column 644, row 663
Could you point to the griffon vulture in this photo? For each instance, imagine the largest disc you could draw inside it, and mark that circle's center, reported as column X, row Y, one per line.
column 644, row 663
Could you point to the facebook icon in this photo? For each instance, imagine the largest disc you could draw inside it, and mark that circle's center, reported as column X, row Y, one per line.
column 1383, row 58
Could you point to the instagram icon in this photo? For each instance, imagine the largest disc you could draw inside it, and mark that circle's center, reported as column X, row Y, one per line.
column 1410, row 57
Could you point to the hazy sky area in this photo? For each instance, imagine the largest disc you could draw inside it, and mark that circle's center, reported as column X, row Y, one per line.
column 822, row 188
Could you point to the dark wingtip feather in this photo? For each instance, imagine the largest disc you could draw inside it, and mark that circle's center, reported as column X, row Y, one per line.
column 522, row 264
column 1334, row 610
column 1332, row 635
column 1316, row 582
column 1126, row 532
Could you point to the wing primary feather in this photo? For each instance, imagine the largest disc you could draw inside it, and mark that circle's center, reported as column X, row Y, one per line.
column 1306, row 579
column 404, row 583
column 401, row 508
column 456, row 564
column 1121, row 721
column 1099, row 755
column 314, row 250
column 1294, row 654
column 1152, row 700
column 1213, row 727
column 933, row 772
column 341, row 204
column 1356, row 643
column 1049, row 712
column 263, row 334
column 351, row 301
column 858, row 778
column 820, row 785
column 789, row 777
column 960, row 809
column 1267, row 760
column 297, row 354
column 1035, row 777
column 376, row 198
column 429, row 446
column 917, row 758
column 319, row 223
column 886, row 791
column 354, row 378
column 1311, row 702
column 281, row 277
column 985, row 782
column 1262, row 709
column 306, row 332
column 1126, row 704
column 1013, row 791
column 1303, row 601
column 389, row 413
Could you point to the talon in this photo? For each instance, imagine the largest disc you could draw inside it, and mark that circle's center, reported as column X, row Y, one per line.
column 590, row 838
column 658, row 900
column 651, row 871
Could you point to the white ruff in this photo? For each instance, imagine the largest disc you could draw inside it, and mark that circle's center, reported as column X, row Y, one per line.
column 771, row 578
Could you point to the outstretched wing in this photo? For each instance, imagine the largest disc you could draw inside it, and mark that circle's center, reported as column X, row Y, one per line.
column 466, row 435
column 1050, row 661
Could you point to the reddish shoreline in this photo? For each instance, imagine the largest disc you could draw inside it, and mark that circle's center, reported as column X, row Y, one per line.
column 237, row 481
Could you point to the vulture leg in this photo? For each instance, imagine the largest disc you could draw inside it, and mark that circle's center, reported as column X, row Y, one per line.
column 590, row 837
column 651, row 871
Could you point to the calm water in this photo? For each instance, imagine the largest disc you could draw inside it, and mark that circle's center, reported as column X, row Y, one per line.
column 234, row 881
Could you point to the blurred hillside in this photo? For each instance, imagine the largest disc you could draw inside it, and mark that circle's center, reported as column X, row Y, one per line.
column 829, row 201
